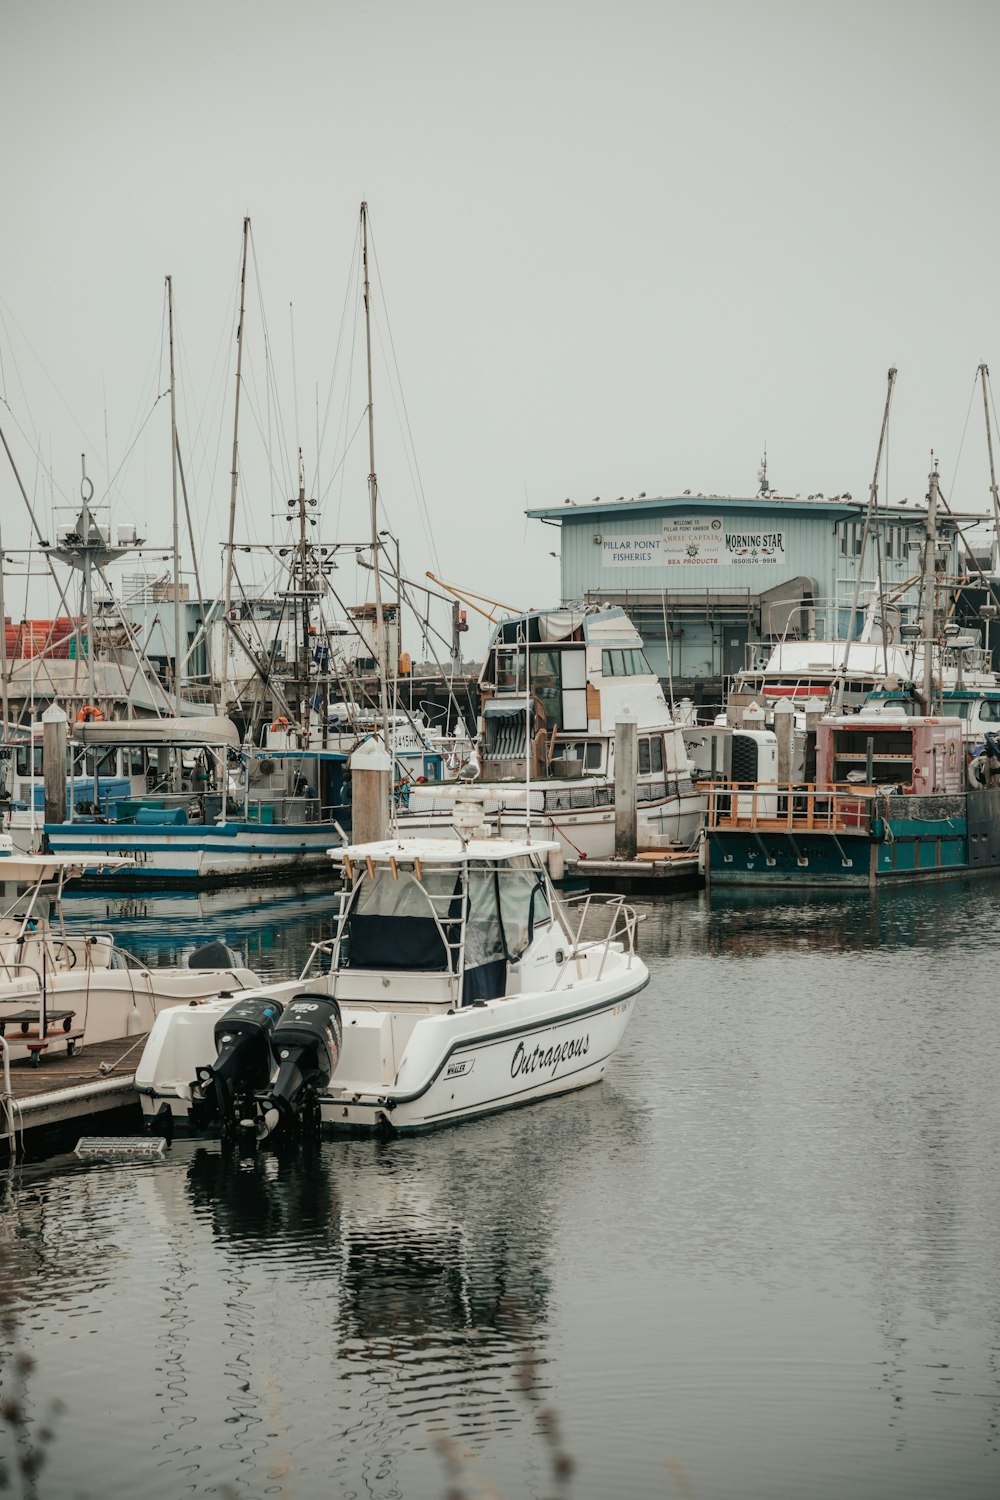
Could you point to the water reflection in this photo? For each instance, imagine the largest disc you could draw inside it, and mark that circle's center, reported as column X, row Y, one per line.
column 775, row 1222
column 272, row 927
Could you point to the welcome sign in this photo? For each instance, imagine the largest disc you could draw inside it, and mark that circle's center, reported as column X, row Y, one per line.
column 694, row 541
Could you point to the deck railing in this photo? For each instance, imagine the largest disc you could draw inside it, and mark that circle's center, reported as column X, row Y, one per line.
column 793, row 805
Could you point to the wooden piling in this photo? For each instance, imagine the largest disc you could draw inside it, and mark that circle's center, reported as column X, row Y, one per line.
column 626, row 770
column 370, row 768
column 54, row 735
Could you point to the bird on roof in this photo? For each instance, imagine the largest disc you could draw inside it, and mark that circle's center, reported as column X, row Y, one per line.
column 620, row 497
column 567, row 501
column 687, row 492
column 595, row 499
column 642, row 495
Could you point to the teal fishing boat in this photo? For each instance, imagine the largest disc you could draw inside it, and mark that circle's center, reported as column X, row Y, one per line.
column 895, row 798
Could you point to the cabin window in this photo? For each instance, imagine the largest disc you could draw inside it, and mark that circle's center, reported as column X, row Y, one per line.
column 956, row 708
column 989, row 711
column 650, row 754
column 29, row 761
column 589, row 751
column 558, row 681
column 625, row 663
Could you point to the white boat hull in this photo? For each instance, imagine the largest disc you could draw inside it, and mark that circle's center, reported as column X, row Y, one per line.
column 582, row 833
column 105, row 1004
column 474, row 1061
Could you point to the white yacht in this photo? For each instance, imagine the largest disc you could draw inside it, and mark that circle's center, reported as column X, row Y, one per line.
column 456, row 983
column 553, row 687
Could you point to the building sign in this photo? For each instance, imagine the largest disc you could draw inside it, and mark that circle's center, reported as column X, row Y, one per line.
column 755, row 547
column 643, row 550
column 693, row 540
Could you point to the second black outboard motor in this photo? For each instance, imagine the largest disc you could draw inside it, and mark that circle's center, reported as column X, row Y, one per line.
column 242, row 1067
column 306, row 1045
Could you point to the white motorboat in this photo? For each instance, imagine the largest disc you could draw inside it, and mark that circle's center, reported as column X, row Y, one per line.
column 60, row 989
column 456, row 983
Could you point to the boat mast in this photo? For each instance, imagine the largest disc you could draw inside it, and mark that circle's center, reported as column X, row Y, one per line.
column 87, row 494
column 178, row 646
column 234, row 473
column 302, row 585
column 930, row 587
column 983, row 375
column 871, row 523
column 383, row 666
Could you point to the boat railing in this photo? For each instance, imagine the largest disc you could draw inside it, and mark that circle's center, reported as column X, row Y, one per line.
column 17, row 971
column 624, row 920
column 789, row 805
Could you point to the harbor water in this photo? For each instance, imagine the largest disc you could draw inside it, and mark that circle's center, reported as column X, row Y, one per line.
column 759, row 1260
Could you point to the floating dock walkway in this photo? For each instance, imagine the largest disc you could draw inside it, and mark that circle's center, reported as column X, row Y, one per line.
column 650, row 871
column 62, row 1091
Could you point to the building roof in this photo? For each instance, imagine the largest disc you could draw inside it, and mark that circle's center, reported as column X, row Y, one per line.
column 832, row 505
column 841, row 505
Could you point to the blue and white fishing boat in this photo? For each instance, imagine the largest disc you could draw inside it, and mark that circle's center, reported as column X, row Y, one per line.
column 181, row 801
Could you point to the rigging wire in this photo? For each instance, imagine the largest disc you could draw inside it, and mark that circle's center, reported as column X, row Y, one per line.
column 351, row 275
column 422, row 499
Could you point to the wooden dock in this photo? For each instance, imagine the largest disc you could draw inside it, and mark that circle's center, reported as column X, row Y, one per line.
column 62, row 1091
column 652, row 870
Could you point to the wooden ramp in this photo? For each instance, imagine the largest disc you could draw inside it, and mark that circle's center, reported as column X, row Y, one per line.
column 63, row 1090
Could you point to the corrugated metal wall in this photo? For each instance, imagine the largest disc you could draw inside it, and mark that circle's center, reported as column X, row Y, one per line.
column 708, row 622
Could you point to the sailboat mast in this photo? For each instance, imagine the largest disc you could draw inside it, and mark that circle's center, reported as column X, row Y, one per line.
column 983, row 375
column 303, row 588
column 930, row 588
column 235, row 470
column 380, row 634
column 87, row 494
column 178, row 643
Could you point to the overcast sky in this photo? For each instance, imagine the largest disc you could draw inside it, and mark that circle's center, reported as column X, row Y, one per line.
column 621, row 246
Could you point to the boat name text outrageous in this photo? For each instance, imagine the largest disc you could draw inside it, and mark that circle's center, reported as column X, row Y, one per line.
column 547, row 1057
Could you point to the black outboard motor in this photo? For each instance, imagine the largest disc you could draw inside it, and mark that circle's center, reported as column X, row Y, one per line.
column 306, row 1044
column 214, row 955
column 244, row 1064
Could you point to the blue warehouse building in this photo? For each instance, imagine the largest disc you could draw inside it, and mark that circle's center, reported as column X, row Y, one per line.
column 709, row 579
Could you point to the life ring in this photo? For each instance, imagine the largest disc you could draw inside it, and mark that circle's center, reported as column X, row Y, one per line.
column 281, row 723
column 87, row 712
